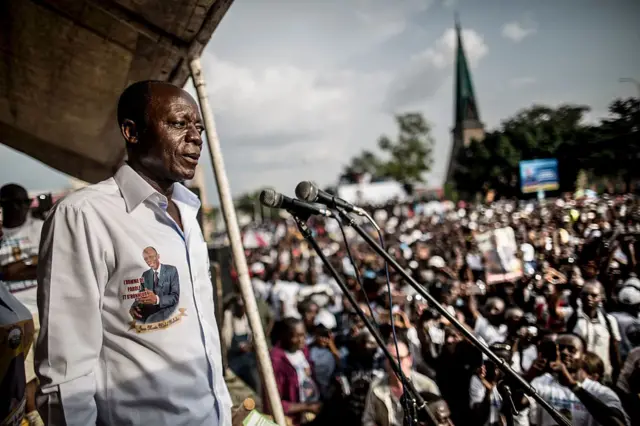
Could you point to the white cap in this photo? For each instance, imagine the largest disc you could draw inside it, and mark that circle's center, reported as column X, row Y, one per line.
column 257, row 268
column 437, row 262
column 326, row 319
column 629, row 296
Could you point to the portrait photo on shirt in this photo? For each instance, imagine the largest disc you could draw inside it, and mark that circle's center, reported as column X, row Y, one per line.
column 159, row 290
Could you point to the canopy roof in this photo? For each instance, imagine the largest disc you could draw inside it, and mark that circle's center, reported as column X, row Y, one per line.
column 63, row 64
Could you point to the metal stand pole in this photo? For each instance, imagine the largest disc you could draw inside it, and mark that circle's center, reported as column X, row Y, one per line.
column 233, row 231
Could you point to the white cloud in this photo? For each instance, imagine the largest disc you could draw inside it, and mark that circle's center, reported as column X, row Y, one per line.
column 428, row 70
column 450, row 3
column 517, row 31
column 519, row 82
column 284, row 120
column 389, row 18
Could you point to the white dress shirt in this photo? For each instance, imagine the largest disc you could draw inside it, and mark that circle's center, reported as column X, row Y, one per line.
column 96, row 363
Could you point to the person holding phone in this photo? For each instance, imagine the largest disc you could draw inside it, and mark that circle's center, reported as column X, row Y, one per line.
column 486, row 398
column 561, row 380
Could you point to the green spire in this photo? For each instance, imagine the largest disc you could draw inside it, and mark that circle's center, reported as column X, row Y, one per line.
column 466, row 106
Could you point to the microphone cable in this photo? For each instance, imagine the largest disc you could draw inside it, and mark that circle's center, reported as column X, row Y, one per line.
column 357, row 272
column 408, row 411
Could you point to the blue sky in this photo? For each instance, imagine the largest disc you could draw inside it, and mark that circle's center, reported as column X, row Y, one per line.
column 299, row 87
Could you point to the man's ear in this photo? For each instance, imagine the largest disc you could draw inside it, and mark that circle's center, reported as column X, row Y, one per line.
column 129, row 131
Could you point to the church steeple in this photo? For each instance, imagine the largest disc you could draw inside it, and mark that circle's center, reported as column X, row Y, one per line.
column 467, row 125
column 466, row 106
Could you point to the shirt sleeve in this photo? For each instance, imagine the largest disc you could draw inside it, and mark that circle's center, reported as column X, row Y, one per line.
column 369, row 413
column 606, row 395
column 615, row 329
column 477, row 391
column 71, row 278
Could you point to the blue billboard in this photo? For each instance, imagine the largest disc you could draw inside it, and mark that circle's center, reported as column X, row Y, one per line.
column 539, row 175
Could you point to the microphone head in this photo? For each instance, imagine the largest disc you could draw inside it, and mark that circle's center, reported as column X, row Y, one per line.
column 270, row 198
column 307, row 191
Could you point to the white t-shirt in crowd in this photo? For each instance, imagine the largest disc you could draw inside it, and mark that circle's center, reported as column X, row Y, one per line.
column 567, row 403
column 596, row 334
column 284, row 298
column 477, row 392
column 261, row 288
column 308, row 388
column 19, row 244
column 529, row 355
column 490, row 333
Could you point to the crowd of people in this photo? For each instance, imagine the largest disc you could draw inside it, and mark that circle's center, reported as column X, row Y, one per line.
column 565, row 315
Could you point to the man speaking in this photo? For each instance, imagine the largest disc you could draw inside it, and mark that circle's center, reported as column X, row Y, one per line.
column 118, row 346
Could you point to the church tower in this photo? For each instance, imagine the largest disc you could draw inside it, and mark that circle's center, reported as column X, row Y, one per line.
column 467, row 124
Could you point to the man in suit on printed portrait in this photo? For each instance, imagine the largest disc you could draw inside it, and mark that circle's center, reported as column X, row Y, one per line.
column 159, row 292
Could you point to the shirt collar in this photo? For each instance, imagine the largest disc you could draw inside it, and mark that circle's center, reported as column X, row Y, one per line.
column 135, row 190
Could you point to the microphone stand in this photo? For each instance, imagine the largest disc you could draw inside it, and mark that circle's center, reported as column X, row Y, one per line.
column 499, row 362
column 410, row 393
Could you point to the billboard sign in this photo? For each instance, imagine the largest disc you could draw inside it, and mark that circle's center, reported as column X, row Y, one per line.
column 539, row 175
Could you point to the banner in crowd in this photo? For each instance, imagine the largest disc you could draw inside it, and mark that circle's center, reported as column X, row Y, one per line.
column 539, row 175
column 500, row 253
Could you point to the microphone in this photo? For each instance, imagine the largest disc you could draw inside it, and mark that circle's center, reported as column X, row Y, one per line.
column 309, row 192
column 275, row 200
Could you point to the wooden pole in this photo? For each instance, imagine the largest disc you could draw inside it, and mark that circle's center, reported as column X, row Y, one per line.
column 233, row 231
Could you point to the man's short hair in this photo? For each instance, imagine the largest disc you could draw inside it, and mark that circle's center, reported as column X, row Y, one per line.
column 134, row 100
column 150, row 248
column 12, row 190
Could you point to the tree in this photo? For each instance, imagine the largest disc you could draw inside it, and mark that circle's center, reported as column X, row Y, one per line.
column 405, row 160
column 536, row 132
column 363, row 164
column 409, row 158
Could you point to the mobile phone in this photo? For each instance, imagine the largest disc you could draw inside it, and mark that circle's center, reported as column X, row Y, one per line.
column 549, row 350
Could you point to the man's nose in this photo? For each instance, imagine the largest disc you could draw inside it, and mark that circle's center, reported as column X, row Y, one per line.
column 193, row 136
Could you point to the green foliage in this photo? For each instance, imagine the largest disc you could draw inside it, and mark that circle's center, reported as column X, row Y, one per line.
column 609, row 149
column 405, row 160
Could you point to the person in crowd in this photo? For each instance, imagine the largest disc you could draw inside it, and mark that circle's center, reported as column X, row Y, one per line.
column 628, row 317
column 261, row 287
column 520, row 336
column 439, row 408
column 18, row 323
column 598, row 328
column 294, row 373
column 326, row 359
column 362, row 366
column 562, row 381
column 628, row 386
column 97, row 363
column 238, row 342
column 383, row 406
column 18, row 271
column 490, row 327
column 487, row 402
column 308, row 311
column 593, row 367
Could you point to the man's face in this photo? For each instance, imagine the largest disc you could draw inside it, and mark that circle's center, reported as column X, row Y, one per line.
column 171, row 141
column 441, row 412
column 406, row 363
column 591, row 296
column 570, row 350
column 152, row 258
column 495, row 311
